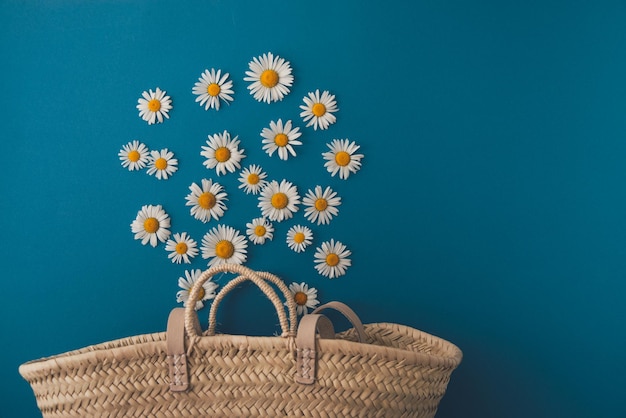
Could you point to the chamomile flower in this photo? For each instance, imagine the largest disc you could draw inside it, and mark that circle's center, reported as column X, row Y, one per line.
column 270, row 78
column 224, row 244
column 252, row 179
column 331, row 259
column 299, row 237
column 259, row 230
column 304, row 296
column 134, row 155
column 186, row 284
column 318, row 110
column 162, row 164
column 342, row 158
column 222, row 153
column 321, row 206
column 154, row 106
column 151, row 225
column 207, row 201
column 281, row 138
column 181, row 248
column 279, row 201
column 211, row 87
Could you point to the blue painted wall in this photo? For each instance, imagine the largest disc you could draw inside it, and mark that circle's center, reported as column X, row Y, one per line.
column 490, row 209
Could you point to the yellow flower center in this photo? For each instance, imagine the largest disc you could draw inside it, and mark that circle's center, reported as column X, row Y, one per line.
column 201, row 293
column 181, row 248
column 224, row 249
column 213, row 89
column 269, row 78
column 298, row 237
column 222, row 154
column 279, row 200
column 260, row 230
column 253, row 178
column 318, row 109
column 206, row 200
column 332, row 259
column 151, row 225
column 281, row 140
column 161, row 164
column 300, row 298
column 342, row 158
column 134, row 156
column 321, row 204
column 154, row 105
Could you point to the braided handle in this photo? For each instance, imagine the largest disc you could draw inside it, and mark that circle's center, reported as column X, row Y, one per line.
column 291, row 304
column 244, row 274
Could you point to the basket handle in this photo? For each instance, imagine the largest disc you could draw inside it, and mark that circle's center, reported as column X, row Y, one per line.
column 269, row 292
column 245, row 273
column 306, row 353
column 346, row 311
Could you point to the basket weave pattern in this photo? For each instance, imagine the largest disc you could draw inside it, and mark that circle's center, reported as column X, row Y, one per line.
column 400, row 372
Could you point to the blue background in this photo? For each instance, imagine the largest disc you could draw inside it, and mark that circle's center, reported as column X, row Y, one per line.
column 490, row 209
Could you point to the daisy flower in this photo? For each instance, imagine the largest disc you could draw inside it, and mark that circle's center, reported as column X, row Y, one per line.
column 281, row 138
column 207, row 201
column 162, row 164
column 331, row 259
column 181, row 248
column 259, row 230
column 342, row 158
column 318, row 111
column 154, row 105
column 186, row 283
column 222, row 153
column 252, row 179
column 321, row 206
column 223, row 245
column 279, row 201
column 151, row 225
column 270, row 76
column 134, row 155
column 304, row 296
column 299, row 237
column 211, row 87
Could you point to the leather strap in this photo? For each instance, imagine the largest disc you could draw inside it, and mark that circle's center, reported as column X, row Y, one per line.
column 176, row 355
column 306, row 357
column 346, row 311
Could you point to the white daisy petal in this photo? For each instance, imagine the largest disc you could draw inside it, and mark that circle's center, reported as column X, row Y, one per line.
column 181, row 248
column 211, row 88
column 186, row 284
column 331, row 259
column 299, row 237
column 161, row 164
column 151, row 225
column 252, row 179
column 318, row 111
column 270, row 78
column 260, row 230
column 280, row 138
column 279, row 201
column 134, row 155
column 224, row 244
column 342, row 158
column 304, row 296
column 207, row 201
column 321, row 206
column 222, row 153
column 154, row 105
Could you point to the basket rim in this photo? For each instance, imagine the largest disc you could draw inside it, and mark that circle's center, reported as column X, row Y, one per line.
column 128, row 347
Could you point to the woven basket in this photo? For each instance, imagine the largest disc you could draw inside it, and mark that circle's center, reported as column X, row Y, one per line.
column 397, row 371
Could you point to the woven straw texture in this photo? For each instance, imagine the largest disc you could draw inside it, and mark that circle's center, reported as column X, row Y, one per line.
column 400, row 372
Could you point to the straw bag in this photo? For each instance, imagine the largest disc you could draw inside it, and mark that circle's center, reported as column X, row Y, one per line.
column 395, row 371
